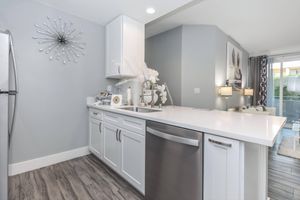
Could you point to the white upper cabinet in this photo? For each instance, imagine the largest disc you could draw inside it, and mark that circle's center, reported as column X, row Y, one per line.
column 125, row 47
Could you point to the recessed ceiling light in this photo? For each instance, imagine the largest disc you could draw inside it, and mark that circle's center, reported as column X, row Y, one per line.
column 150, row 11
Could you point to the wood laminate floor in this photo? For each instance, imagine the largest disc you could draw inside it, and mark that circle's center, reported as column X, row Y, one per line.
column 284, row 173
column 87, row 178
column 84, row 178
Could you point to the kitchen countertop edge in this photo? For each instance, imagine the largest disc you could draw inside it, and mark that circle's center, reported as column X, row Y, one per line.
column 232, row 135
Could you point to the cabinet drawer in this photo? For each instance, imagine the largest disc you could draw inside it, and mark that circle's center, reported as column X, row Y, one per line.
column 112, row 118
column 96, row 114
column 134, row 124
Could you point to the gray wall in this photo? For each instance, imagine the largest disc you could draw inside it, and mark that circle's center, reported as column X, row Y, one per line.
column 52, row 113
column 166, row 49
column 203, row 64
column 198, row 66
column 220, row 68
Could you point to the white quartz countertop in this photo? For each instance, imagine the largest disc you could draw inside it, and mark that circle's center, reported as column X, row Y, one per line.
column 258, row 129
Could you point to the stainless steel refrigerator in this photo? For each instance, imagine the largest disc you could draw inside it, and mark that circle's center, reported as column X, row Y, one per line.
column 8, row 99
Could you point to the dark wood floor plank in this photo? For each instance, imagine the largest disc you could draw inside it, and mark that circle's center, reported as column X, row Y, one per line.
column 284, row 173
column 77, row 185
column 102, row 179
column 27, row 188
column 281, row 186
column 14, row 188
column 296, row 172
column 52, row 188
column 89, row 180
column 297, row 194
column 39, row 186
column 84, row 178
column 281, row 191
column 119, row 186
column 63, row 183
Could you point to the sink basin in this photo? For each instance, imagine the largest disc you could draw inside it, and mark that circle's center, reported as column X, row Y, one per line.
column 140, row 109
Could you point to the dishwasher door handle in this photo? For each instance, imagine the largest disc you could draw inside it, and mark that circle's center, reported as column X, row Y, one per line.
column 173, row 138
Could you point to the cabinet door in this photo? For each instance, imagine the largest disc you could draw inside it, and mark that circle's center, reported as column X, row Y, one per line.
column 223, row 169
column 112, row 147
column 96, row 137
column 133, row 159
column 133, row 46
column 114, row 32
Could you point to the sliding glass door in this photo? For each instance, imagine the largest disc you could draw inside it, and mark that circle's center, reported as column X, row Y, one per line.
column 285, row 83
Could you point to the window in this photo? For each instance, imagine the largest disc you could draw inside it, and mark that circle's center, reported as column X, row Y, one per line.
column 286, row 88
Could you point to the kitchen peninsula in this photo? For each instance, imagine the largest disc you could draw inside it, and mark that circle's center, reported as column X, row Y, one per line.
column 235, row 145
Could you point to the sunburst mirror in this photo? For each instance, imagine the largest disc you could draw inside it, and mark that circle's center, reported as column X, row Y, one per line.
column 60, row 40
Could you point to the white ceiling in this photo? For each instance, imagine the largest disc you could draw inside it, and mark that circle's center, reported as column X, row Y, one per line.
column 103, row 11
column 260, row 26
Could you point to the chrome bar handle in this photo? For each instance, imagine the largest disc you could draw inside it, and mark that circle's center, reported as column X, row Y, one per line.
column 220, row 143
column 100, row 124
column 120, row 135
column 16, row 90
column 117, row 134
column 173, row 138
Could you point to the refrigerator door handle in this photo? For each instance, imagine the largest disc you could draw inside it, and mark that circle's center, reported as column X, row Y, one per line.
column 14, row 64
column 15, row 91
column 11, row 92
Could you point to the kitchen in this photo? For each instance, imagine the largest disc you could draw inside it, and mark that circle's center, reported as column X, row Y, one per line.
column 100, row 102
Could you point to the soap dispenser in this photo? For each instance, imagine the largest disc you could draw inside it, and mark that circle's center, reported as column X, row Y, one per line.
column 129, row 96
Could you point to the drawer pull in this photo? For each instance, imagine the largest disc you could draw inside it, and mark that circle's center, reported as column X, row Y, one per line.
column 100, row 127
column 95, row 113
column 220, row 143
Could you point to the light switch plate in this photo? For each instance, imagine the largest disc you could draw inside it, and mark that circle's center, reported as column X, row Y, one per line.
column 196, row 90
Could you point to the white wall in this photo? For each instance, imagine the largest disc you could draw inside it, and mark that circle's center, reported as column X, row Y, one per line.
column 52, row 113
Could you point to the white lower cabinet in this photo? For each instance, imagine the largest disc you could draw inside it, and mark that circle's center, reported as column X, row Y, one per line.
column 121, row 145
column 133, row 158
column 112, row 148
column 96, row 137
column 223, row 168
column 119, row 141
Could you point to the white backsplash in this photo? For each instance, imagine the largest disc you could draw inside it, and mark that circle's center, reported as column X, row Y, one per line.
column 135, row 89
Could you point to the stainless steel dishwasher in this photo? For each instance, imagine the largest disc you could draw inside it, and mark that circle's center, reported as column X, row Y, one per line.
column 174, row 163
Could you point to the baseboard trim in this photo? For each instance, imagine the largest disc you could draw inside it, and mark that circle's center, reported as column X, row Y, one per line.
column 29, row 165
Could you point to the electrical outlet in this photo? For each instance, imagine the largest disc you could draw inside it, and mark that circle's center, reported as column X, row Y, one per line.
column 109, row 88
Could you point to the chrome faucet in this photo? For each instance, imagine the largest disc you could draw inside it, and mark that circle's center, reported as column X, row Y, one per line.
column 169, row 94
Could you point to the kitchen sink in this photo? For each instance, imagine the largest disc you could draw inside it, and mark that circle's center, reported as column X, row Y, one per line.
column 140, row 109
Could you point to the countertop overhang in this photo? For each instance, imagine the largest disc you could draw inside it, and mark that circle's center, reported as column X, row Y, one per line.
column 253, row 128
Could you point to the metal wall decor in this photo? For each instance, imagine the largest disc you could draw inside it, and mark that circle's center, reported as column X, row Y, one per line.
column 60, row 40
